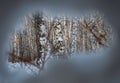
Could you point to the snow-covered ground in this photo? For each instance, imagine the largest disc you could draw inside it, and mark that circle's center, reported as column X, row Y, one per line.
column 26, row 69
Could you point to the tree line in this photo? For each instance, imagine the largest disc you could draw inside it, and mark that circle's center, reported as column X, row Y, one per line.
column 43, row 36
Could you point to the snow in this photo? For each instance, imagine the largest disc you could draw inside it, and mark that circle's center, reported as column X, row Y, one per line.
column 22, row 68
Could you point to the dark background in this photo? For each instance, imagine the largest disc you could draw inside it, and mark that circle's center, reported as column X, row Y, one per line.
column 10, row 12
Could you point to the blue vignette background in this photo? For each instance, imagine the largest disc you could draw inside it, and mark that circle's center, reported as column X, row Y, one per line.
column 99, row 70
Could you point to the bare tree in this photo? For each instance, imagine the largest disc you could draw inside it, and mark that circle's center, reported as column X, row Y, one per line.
column 61, row 35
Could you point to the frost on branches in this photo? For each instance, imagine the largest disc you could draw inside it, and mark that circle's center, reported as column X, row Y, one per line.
column 43, row 37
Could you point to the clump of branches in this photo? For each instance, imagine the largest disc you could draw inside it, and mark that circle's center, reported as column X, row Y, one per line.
column 44, row 36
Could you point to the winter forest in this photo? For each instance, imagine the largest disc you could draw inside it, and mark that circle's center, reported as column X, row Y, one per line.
column 43, row 36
